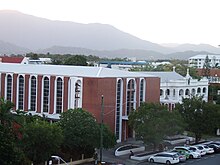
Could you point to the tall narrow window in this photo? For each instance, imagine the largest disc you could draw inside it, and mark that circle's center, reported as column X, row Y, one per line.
column 9, row 88
column 130, row 96
column 46, row 92
column 33, row 93
column 77, row 93
column 142, row 91
column 199, row 90
column 118, row 109
column 21, row 92
column 59, row 102
column 187, row 92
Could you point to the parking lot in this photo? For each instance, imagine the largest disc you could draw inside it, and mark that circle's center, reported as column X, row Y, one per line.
column 212, row 159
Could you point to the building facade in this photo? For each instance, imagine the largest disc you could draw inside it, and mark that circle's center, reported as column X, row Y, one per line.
column 199, row 60
column 174, row 87
column 51, row 89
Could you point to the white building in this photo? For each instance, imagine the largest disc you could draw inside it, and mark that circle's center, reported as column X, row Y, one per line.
column 199, row 60
column 122, row 65
column 174, row 87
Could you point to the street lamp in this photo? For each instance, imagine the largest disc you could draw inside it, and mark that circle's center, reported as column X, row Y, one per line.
column 59, row 158
column 101, row 130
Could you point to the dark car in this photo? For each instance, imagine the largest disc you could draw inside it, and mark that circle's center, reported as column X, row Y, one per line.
column 215, row 147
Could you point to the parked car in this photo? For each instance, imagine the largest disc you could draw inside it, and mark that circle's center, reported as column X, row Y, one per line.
column 165, row 157
column 207, row 149
column 182, row 152
column 192, row 154
column 215, row 147
column 197, row 149
column 215, row 142
column 182, row 157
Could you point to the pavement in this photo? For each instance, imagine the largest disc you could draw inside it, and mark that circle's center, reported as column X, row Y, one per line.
column 109, row 157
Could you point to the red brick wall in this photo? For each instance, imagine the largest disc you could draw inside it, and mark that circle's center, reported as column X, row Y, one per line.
column 65, row 95
column 93, row 89
column 39, row 92
column 3, row 84
column 153, row 90
column 14, row 93
column 52, row 81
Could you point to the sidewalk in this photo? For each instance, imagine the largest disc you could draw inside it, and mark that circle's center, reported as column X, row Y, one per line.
column 109, row 157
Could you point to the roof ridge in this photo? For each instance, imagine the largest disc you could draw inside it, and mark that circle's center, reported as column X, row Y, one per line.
column 99, row 71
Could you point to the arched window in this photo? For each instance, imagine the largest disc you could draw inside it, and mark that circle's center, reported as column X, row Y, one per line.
column 46, row 93
column 130, row 95
column 204, row 90
column 77, row 93
column 9, row 88
column 21, row 92
column 187, row 93
column 161, row 92
column 118, row 109
column 199, row 90
column 181, row 92
column 193, row 91
column 33, row 93
column 59, row 95
column 142, row 90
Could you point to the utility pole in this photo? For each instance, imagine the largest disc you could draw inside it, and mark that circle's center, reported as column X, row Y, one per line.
column 101, row 130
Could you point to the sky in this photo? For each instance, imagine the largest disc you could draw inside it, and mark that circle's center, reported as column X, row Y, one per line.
column 158, row 21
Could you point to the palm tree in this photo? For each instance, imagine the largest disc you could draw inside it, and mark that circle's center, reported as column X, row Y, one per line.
column 6, row 118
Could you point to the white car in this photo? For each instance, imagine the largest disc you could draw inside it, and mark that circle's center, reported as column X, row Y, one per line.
column 207, row 149
column 197, row 149
column 192, row 154
column 165, row 157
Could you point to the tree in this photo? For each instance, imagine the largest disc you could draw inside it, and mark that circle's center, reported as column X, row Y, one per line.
column 10, row 154
column 206, row 68
column 200, row 117
column 77, row 60
column 109, row 139
column 153, row 122
column 6, row 118
column 9, row 151
column 82, row 133
column 40, row 140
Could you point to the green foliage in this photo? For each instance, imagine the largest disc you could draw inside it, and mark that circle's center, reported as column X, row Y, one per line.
column 80, row 131
column 201, row 117
column 6, row 118
column 153, row 122
column 9, row 152
column 180, row 67
column 76, row 60
column 40, row 140
column 206, row 68
column 109, row 139
column 33, row 56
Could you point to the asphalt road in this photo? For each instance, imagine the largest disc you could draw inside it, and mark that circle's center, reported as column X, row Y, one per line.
column 213, row 159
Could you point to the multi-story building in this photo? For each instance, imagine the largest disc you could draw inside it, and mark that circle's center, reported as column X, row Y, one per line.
column 122, row 65
column 199, row 60
column 53, row 89
column 174, row 87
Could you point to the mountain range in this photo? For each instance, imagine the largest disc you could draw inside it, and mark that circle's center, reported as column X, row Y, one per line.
column 21, row 33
